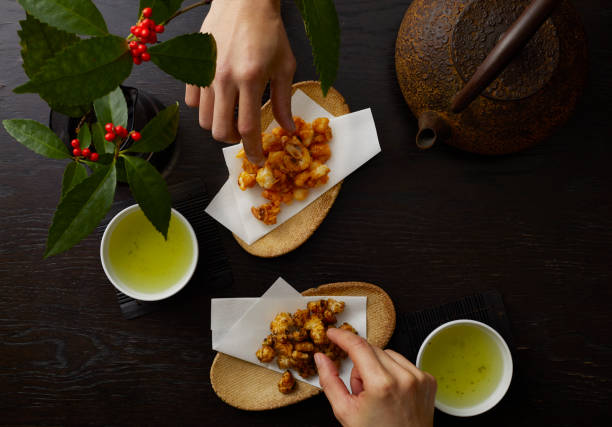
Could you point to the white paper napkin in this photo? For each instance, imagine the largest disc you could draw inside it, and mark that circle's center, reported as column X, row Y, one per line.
column 354, row 142
column 239, row 325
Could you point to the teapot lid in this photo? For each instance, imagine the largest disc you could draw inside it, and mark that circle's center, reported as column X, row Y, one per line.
column 479, row 28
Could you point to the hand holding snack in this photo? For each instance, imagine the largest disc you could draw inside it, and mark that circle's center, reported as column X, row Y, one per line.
column 295, row 162
column 387, row 389
column 252, row 49
column 296, row 337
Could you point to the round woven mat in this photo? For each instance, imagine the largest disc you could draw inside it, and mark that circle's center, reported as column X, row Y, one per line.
column 300, row 227
column 254, row 388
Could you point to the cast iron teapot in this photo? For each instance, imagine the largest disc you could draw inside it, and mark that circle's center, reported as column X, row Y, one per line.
column 490, row 76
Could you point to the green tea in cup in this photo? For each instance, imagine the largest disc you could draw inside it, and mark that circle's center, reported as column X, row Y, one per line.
column 140, row 262
column 472, row 366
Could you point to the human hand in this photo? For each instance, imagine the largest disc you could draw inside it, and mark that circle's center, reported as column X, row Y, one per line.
column 252, row 49
column 388, row 390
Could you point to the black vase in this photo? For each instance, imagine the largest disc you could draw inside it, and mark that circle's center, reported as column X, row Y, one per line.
column 142, row 107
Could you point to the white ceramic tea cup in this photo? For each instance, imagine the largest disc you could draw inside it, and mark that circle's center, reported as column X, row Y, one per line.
column 125, row 287
column 504, row 383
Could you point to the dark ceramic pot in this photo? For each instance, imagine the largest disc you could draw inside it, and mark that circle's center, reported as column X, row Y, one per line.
column 142, row 107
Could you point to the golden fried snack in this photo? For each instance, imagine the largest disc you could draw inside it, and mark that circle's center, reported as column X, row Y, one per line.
column 281, row 323
column 332, row 307
column 299, row 335
column 329, row 317
column 295, row 163
column 320, row 151
column 265, row 354
column 317, row 307
column 298, row 355
column 306, row 369
column 284, row 349
column 348, row 327
column 336, row 307
column 317, row 330
column 267, row 212
column 300, row 317
column 246, row 180
column 283, row 362
column 270, row 340
column 296, row 337
column 286, row 383
column 306, row 347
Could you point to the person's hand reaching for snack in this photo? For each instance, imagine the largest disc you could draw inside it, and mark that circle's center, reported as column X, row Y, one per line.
column 252, row 49
column 388, row 390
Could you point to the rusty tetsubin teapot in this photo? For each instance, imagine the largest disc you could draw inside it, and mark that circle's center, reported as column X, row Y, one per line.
column 490, row 76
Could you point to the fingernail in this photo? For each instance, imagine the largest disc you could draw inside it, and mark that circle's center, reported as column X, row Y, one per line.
column 317, row 358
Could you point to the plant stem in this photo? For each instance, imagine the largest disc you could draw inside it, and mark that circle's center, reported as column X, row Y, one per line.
column 186, row 9
column 78, row 128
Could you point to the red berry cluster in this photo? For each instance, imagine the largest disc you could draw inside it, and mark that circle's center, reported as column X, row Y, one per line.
column 146, row 32
column 85, row 152
column 112, row 132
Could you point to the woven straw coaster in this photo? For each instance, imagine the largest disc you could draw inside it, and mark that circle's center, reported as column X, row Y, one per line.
column 291, row 234
column 254, row 388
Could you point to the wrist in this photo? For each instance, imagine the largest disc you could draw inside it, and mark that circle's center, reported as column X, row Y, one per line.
column 271, row 7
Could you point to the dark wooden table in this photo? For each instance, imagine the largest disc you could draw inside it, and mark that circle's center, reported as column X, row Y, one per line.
column 429, row 227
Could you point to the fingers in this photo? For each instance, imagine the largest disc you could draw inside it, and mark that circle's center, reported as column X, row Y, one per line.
column 332, row 385
column 385, row 360
column 280, row 96
column 405, row 363
column 192, row 96
column 426, row 381
column 280, row 86
column 223, row 123
column 356, row 381
column 207, row 104
column 249, row 122
column 361, row 353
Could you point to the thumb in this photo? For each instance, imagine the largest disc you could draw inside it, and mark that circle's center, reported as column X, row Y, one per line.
column 332, row 385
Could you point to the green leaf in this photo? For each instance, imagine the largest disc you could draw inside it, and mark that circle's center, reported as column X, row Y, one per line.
column 82, row 72
column 37, row 137
column 162, row 9
column 74, row 174
column 150, row 191
column 74, row 16
column 323, row 30
column 106, row 159
column 69, row 110
column 27, row 87
column 190, row 58
column 112, row 108
column 101, row 144
column 159, row 132
column 81, row 210
column 85, row 136
column 103, row 162
column 41, row 42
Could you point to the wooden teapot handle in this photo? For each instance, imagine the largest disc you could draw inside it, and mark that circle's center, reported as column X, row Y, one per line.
column 508, row 46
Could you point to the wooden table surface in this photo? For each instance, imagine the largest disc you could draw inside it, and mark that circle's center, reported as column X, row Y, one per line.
column 429, row 227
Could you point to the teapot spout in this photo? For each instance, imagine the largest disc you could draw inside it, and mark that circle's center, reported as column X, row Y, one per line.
column 432, row 127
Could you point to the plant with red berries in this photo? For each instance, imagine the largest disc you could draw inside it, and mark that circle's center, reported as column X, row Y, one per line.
column 60, row 73
column 102, row 154
column 145, row 31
